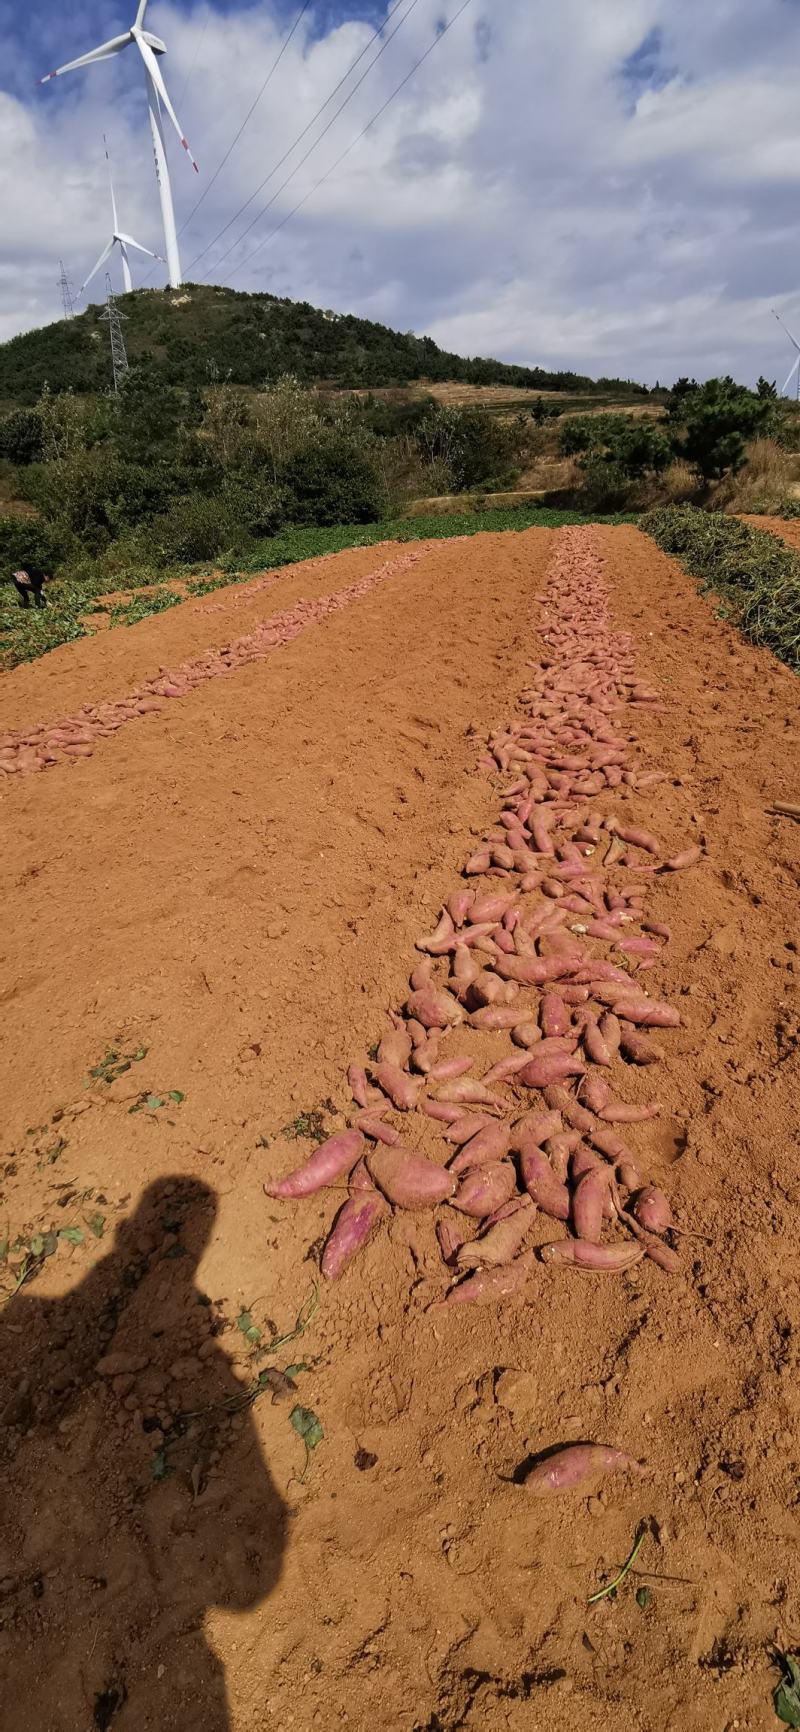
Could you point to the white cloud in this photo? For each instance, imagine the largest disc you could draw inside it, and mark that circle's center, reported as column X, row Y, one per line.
column 605, row 187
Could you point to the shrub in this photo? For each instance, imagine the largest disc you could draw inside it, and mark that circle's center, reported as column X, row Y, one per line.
column 21, row 436
column 195, row 527
column 25, row 541
column 762, row 483
column 331, row 481
column 756, row 575
column 606, row 486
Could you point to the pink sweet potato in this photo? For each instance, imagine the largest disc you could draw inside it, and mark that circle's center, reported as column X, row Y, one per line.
column 689, row 857
column 558, row 1150
column 542, row 1186
column 450, row 1067
column 595, row 1047
column 553, row 1014
column 395, row 1048
column 551, row 1068
column 488, row 1285
column 357, row 1079
column 526, row 1034
column 601, row 1259
column 352, row 1228
column 502, row 1240
column 505, row 1067
column 445, row 1111
column 625, row 1113
column 495, row 1016
column 408, row 1179
column 450, row 1235
column 434, row 1008
column 459, row 906
column 533, row 1129
column 478, row 862
column 332, row 1161
column 440, row 940
column 561, row 1101
column 485, row 1189
column 401, row 1089
column 595, row 1092
column 652, row 1210
column 570, row 1468
column 465, row 1091
column 588, row 1199
column 647, row 1012
column 465, row 1124
column 488, row 1144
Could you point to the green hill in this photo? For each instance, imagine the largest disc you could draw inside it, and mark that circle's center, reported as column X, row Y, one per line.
column 252, row 339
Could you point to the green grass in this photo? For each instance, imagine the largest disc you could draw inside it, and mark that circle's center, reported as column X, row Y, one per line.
column 756, row 576
column 27, row 634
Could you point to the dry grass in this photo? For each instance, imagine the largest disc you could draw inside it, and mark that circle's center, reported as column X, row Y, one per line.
column 765, row 480
column 679, row 482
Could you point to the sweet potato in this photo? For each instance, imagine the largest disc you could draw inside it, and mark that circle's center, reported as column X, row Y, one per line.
column 422, row 975
column 601, row 1259
column 588, row 1199
column 553, row 1014
column 352, row 1228
column 505, row 1067
column 637, row 838
column 372, row 1125
column 408, row 1179
column 438, row 941
column 558, row 1150
column 450, row 1067
column 485, row 1189
column 526, row 1034
column 570, row 1468
column 490, row 1143
column 488, row 909
column 478, row 863
column 459, row 906
column 647, row 1012
column 465, row 1125
column 488, row 1285
column 332, row 1161
column 465, row 1091
column 401, row 1089
column 357, row 1080
column 689, row 857
column 434, row 1008
column 542, row 1186
column 534, row 1128
column 395, row 1048
column 594, row 1045
column 625, row 1113
column 652, row 1210
column 499, row 1244
column 495, row 1016
column 551, row 1068
column 561, row 1101
column 445, row 1111
column 450, row 1235
column 611, row 1032
column 629, row 1175
column 595, row 1092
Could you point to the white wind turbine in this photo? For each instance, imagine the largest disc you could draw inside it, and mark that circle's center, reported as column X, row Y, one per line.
column 794, row 372
column 149, row 46
column 118, row 239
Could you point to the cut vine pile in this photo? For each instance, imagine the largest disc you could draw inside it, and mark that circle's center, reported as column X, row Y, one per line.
column 549, row 960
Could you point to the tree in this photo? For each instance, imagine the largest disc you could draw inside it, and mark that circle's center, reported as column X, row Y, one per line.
column 718, row 418
column 765, row 388
column 21, row 436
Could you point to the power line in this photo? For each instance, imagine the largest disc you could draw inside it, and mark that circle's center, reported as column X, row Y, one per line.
column 340, row 159
column 250, row 112
column 312, row 147
column 195, row 57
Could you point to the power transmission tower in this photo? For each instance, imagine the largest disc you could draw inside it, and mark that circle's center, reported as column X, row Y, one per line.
column 119, row 358
column 66, row 293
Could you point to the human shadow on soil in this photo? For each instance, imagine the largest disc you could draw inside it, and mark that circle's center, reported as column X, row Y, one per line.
column 136, row 1496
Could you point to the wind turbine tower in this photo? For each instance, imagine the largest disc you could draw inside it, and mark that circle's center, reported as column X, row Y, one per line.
column 794, row 371
column 149, row 48
column 118, row 239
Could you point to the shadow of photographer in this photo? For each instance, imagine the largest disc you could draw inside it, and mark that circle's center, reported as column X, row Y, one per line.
column 136, row 1496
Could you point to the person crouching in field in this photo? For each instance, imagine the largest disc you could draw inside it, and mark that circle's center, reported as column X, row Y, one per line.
column 30, row 582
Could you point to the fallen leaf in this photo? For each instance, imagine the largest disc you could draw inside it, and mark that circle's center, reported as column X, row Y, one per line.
column 787, row 1695
column 307, row 1426
column 73, row 1235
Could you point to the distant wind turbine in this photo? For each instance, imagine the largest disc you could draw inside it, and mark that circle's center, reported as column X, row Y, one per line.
column 794, row 372
column 118, row 239
column 157, row 98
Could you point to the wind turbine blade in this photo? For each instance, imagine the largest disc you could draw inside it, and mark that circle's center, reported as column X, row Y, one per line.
column 127, row 280
column 155, row 73
column 139, row 19
column 128, row 241
column 790, row 376
column 114, row 221
column 105, row 52
column 95, row 268
column 786, row 329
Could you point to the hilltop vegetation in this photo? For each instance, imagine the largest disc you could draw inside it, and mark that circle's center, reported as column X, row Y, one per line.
column 250, row 340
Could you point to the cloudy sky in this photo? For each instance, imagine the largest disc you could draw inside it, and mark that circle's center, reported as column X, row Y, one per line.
column 609, row 185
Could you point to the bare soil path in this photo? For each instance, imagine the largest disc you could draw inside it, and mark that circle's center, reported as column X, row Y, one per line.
column 235, row 885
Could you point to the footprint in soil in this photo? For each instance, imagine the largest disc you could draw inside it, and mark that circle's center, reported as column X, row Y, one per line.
column 133, row 1499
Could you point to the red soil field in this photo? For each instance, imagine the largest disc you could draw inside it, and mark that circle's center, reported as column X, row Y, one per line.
column 235, row 884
